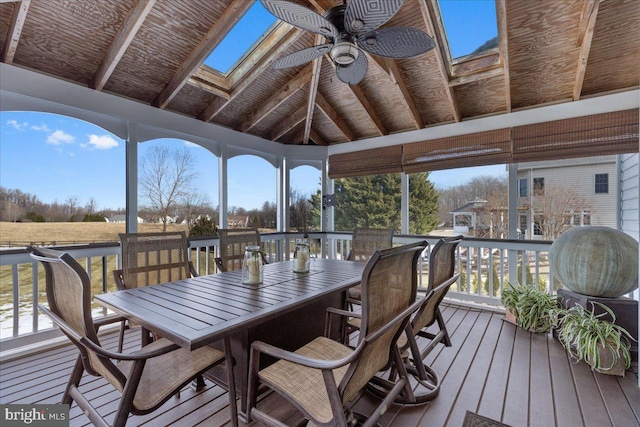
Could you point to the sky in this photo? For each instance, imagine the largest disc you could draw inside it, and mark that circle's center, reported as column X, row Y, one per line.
column 56, row 157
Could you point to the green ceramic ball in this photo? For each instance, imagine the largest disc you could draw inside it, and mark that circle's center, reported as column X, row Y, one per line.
column 595, row 261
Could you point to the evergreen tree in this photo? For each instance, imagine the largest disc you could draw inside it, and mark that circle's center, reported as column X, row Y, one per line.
column 495, row 281
column 423, row 204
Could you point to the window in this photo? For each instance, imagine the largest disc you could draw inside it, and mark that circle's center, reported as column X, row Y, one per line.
column 522, row 187
column 538, row 219
column 523, row 226
column 538, row 186
column 471, row 26
column 602, row 183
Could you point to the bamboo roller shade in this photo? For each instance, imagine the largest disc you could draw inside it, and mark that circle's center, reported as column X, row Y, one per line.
column 595, row 135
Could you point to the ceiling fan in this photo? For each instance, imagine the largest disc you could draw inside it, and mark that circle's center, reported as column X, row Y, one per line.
column 352, row 29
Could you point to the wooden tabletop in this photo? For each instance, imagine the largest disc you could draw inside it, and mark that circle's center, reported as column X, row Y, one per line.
column 201, row 310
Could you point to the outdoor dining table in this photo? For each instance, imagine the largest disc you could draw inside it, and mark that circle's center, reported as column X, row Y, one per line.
column 287, row 310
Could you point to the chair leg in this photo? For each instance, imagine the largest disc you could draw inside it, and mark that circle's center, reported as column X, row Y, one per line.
column 123, row 326
column 443, row 327
column 74, row 380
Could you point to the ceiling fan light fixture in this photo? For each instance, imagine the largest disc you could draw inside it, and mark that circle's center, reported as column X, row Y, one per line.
column 344, row 53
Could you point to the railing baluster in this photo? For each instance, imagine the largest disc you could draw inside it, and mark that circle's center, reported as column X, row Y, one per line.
column 35, row 295
column 16, row 299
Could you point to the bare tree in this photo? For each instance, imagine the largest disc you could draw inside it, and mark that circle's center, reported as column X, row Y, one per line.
column 192, row 204
column 166, row 177
column 91, row 206
column 300, row 210
column 555, row 211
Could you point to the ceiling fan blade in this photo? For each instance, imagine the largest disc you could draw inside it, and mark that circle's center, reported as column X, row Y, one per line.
column 300, row 17
column 362, row 16
column 396, row 42
column 302, row 56
column 352, row 74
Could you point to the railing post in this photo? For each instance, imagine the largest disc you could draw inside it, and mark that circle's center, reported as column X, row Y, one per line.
column 512, row 255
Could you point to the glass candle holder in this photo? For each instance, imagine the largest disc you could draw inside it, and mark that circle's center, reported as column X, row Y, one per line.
column 253, row 267
column 301, row 258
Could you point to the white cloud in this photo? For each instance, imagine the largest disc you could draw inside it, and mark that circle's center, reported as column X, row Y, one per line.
column 60, row 137
column 16, row 125
column 102, row 142
column 42, row 127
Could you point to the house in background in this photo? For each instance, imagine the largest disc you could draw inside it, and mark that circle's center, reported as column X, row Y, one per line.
column 122, row 219
column 477, row 219
column 238, row 221
column 577, row 192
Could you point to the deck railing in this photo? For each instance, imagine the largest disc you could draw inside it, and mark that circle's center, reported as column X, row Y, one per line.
column 484, row 265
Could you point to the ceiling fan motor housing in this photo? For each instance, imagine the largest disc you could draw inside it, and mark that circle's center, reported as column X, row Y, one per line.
column 344, row 51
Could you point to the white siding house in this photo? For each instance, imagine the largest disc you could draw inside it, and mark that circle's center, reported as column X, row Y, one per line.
column 629, row 194
column 593, row 179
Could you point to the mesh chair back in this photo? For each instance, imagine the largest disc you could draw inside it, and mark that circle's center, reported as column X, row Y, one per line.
column 366, row 241
column 389, row 286
column 69, row 297
column 442, row 263
column 153, row 258
column 233, row 242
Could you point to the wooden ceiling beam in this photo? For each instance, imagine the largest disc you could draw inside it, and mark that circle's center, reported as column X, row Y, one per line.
column 503, row 49
column 313, row 89
column 289, row 123
column 585, row 36
column 332, row 115
column 121, row 42
column 317, row 138
column 484, row 75
column 209, row 87
column 427, row 15
column 196, row 58
column 291, row 35
column 15, row 30
column 280, row 96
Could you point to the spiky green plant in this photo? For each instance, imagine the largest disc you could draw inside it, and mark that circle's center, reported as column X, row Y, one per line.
column 582, row 333
column 531, row 306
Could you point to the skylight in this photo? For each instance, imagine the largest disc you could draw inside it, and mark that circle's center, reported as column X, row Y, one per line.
column 470, row 26
column 249, row 29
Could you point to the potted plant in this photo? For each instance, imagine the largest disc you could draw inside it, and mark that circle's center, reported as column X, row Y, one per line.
column 589, row 337
column 531, row 307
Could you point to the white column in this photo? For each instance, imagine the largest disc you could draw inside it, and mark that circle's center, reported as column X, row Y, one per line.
column 513, row 220
column 131, row 172
column 404, row 203
column 223, row 195
column 282, row 195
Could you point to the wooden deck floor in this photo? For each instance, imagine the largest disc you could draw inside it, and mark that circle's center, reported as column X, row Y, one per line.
column 493, row 369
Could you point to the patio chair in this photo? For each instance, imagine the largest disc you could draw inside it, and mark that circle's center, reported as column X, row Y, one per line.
column 146, row 378
column 323, row 378
column 441, row 277
column 233, row 242
column 364, row 243
column 150, row 259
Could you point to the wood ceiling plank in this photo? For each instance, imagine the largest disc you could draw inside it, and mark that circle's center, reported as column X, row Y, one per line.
column 15, row 29
column 292, row 34
column 209, row 87
column 196, row 58
column 585, row 36
column 280, row 96
column 289, row 124
column 484, row 75
column 332, row 115
column 121, row 42
column 503, row 49
column 427, row 15
column 313, row 89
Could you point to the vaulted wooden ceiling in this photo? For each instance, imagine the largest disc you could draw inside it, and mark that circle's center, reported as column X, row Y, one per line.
column 152, row 51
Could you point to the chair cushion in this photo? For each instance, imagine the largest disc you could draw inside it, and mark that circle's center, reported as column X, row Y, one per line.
column 304, row 385
column 162, row 375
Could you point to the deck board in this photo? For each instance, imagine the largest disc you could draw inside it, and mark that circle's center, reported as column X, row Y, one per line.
column 493, row 368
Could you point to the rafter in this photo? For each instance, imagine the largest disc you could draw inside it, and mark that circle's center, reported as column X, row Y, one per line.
column 213, row 109
column 209, row 42
column 313, row 89
column 280, row 96
column 390, row 67
column 503, row 48
column 332, row 115
column 440, row 37
column 289, row 123
column 15, row 29
column 317, row 138
column 358, row 93
column 484, row 75
column 121, row 42
column 585, row 35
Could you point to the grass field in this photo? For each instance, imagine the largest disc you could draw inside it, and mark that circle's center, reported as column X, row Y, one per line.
column 26, row 233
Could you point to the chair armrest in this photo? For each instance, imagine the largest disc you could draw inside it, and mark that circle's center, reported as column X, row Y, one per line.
column 262, row 347
column 119, row 278
column 220, row 264
column 108, row 320
column 345, row 313
column 192, row 270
